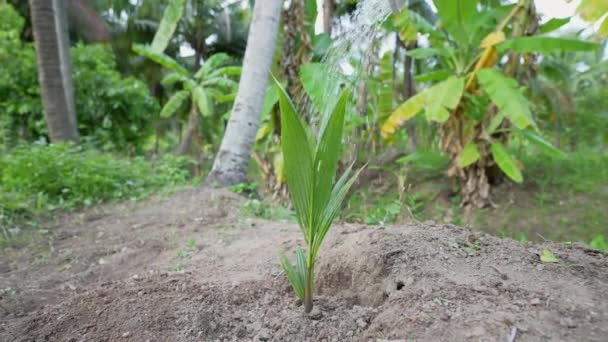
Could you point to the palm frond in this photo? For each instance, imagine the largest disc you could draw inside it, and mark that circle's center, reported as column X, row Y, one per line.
column 298, row 160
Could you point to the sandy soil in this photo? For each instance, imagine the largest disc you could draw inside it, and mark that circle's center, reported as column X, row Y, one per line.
column 191, row 267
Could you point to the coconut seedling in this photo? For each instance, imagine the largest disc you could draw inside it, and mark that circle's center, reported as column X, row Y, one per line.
column 310, row 167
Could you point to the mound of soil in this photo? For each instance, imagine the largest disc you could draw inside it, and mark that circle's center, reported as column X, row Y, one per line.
column 192, row 268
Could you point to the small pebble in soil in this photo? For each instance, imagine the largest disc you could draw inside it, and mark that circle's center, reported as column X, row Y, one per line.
column 126, row 335
column 568, row 322
column 263, row 335
column 361, row 323
column 445, row 317
column 315, row 313
column 535, row 301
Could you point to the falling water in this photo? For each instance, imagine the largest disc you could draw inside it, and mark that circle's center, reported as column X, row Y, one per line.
column 350, row 44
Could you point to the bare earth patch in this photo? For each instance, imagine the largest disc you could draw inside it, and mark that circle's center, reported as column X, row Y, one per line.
column 191, row 268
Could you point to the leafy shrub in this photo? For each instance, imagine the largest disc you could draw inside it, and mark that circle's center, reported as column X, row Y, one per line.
column 11, row 20
column 20, row 106
column 114, row 112
column 38, row 178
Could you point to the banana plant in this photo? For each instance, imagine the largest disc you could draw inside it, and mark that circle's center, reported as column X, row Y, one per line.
column 211, row 84
column 477, row 101
column 310, row 166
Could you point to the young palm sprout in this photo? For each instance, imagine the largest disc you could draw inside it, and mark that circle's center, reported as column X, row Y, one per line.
column 310, row 168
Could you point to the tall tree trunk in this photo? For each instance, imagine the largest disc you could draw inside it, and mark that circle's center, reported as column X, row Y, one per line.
column 232, row 160
column 192, row 137
column 191, row 142
column 329, row 7
column 409, row 90
column 49, row 22
column 294, row 54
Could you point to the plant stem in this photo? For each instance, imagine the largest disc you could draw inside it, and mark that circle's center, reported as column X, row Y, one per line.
column 310, row 282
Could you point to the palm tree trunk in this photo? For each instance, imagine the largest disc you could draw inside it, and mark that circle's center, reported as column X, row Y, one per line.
column 49, row 22
column 231, row 163
column 409, row 90
column 328, row 14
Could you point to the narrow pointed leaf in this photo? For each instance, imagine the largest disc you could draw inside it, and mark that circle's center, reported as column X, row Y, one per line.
column 211, row 63
column 201, row 100
column 438, row 75
column 385, row 87
column 171, row 79
column 296, row 281
column 174, row 103
column 554, row 24
column 270, row 100
column 298, row 159
column 168, row 24
column 542, row 44
column 506, row 163
column 301, row 262
column 160, row 58
column 545, row 146
column 404, row 112
column 327, row 155
column 495, row 123
column 469, row 155
column 220, row 82
column 227, row 71
column 424, row 53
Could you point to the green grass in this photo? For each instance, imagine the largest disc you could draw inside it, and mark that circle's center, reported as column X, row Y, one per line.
column 583, row 171
column 267, row 210
column 38, row 179
column 561, row 199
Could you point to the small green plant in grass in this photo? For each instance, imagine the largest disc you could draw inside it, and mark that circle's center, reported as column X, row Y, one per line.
column 599, row 243
column 310, row 167
column 245, row 188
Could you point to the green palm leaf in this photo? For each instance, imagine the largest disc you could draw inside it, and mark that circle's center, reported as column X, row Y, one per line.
column 168, row 24
column 326, row 157
column 174, row 103
column 210, row 64
column 297, row 275
column 298, row 159
column 172, row 78
column 202, row 101
column 160, row 58
column 227, row 71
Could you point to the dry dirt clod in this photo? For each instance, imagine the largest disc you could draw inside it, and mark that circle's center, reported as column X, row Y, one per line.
column 361, row 323
column 568, row 322
column 315, row 314
column 263, row 335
